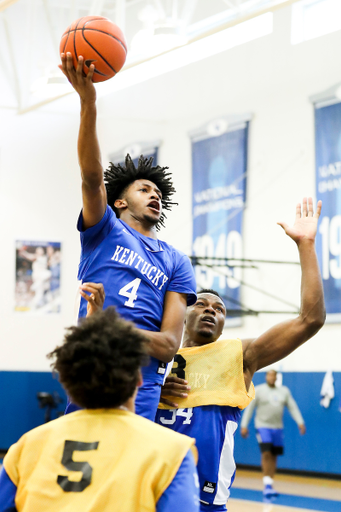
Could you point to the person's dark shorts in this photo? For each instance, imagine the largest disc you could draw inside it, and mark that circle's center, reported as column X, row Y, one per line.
column 270, row 440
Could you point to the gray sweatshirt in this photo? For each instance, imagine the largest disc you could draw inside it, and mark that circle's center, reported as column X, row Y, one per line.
column 270, row 404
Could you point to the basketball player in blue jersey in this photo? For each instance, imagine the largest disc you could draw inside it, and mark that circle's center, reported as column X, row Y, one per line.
column 212, row 379
column 148, row 281
column 102, row 458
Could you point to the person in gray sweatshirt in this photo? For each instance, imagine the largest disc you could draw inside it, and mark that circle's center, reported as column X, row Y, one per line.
column 269, row 404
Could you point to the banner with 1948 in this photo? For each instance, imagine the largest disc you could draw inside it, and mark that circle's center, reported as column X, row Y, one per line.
column 219, row 183
column 328, row 188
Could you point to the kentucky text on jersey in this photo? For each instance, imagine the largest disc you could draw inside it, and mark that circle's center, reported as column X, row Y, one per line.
column 198, row 380
column 131, row 258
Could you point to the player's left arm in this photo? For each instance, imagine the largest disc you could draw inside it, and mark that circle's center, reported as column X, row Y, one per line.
column 163, row 345
column 295, row 413
column 182, row 494
column 285, row 337
column 7, row 492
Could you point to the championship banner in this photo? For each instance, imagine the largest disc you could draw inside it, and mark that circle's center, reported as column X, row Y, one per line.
column 219, row 165
column 328, row 188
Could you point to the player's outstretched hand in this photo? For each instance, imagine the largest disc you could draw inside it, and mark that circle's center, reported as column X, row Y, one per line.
column 94, row 294
column 305, row 226
column 82, row 84
column 174, row 387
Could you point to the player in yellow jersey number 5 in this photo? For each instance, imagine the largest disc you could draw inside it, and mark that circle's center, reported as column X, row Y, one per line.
column 102, row 458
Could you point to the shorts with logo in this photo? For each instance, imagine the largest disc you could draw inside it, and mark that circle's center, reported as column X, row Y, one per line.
column 212, row 508
column 270, row 440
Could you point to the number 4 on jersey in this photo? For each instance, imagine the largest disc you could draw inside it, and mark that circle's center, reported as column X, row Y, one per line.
column 130, row 291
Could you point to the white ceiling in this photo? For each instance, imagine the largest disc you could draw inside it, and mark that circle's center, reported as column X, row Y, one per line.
column 30, row 32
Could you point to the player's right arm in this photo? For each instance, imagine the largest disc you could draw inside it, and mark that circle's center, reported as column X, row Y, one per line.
column 89, row 155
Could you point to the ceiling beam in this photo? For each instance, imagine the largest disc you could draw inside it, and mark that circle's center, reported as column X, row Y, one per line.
column 120, row 14
column 15, row 77
column 231, row 23
column 6, row 3
column 188, row 11
column 96, row 8
column 52, row 30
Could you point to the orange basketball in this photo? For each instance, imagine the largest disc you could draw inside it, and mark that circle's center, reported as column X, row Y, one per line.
column 100, row 42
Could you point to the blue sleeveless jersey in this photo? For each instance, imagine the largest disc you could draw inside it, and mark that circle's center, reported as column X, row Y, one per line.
column 136, row 272
column 213, row 428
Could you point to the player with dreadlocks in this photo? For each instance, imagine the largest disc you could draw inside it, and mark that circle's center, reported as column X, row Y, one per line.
column 148, row 281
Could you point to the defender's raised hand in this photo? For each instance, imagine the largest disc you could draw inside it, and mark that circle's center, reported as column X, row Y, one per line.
column 305, row 226
column 82, row 84
column 94, row 294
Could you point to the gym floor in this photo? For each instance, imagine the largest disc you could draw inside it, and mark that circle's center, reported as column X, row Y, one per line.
column 296, row 494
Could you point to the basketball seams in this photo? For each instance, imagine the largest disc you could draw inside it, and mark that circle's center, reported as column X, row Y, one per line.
column 104, row 32
column 74, row 40
column 95, row 30
column 99, row 54
column 67, row 38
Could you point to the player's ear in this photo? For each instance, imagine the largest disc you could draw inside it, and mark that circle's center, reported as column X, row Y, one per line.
column 120, row 204
column 140, row 381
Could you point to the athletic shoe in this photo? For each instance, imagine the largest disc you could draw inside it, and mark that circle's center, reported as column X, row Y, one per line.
column 269, row 492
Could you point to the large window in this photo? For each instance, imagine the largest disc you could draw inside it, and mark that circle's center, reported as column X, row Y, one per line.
column 314, row 18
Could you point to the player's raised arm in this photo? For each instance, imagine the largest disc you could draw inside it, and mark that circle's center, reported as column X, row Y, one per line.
column 164, row 345
column 284, row 338
column 89, row 156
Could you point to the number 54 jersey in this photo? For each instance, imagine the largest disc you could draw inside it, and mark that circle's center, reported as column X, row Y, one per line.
column 211, row 413
column 136, row 272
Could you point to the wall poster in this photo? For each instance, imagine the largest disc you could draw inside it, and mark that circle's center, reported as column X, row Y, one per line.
column 37, row 273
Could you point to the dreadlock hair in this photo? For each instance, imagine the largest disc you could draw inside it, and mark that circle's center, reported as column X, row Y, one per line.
column 99, row 362
column 117, row 179
column 213, row 292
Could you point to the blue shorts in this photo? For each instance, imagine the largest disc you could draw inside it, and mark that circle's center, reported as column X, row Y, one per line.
column 212, row 508
column 147, row 400
column 270, row 440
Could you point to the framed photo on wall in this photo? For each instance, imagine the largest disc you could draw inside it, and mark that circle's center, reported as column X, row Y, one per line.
column 37, row 277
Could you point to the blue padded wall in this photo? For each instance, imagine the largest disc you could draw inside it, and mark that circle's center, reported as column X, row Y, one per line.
column 316, row 451
column 19, row 407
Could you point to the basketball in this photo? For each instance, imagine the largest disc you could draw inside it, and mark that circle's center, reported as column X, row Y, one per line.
column 100, row 42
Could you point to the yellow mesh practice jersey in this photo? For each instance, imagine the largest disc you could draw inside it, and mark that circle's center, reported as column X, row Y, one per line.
column 215, row 374
column 95, row 460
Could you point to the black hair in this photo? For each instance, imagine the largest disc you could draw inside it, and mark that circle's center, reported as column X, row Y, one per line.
column 99, row 362
column 117, row 179
column 213, row 292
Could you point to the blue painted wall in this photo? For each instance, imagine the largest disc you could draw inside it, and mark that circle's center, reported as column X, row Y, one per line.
column 19, row 407
column 319, row 450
